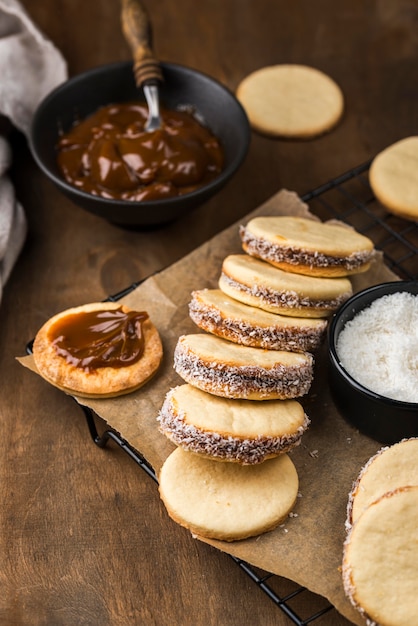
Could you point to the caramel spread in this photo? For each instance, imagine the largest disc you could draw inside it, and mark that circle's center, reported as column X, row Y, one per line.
column 95, row 339
column 110, row 154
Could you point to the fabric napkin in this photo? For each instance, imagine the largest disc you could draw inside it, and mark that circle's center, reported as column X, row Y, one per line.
column 30, row 67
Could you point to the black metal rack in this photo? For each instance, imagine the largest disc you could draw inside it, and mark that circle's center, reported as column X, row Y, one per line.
column 348, row 198
column 264, row 580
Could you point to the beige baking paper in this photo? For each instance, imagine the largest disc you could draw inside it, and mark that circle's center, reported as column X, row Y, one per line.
column 308, row 547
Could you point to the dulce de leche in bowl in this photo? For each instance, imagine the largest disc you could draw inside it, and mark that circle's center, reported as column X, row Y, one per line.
column 199, row 148
column 110, row 154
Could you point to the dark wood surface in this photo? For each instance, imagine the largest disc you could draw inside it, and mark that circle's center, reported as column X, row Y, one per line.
column 84, row 537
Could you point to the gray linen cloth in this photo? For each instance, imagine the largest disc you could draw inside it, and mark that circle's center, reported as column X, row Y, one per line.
column 30, row 67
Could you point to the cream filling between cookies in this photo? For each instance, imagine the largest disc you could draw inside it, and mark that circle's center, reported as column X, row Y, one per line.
column 300, row 256
column 233, row 381
column 285, row 299
column 299, row 338
column 246, row 451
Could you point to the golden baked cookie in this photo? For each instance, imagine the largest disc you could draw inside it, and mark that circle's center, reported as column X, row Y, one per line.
column 230, row 370
column 262, row 285
column 242, row 431
column 390, row 468
column 393, row 177
column 291, row 101
column 380, row 560
column 215, row 312
column 306, row 246
column 227, row 501
column 98, row 350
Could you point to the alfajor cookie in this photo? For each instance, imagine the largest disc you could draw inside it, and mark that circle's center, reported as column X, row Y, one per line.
column 260, row 284
column 98, row 350
column 307, row 246
column 291, row 101
column 227, row 501
column 215, row 312
column 231, row 370
column 242, row 431
column 380, row 560
column 390, row 468
column 393, row 177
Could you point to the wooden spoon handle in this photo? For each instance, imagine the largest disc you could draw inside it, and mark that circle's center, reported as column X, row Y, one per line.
column 137, row 30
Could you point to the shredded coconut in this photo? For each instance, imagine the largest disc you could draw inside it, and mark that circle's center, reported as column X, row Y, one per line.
column 379, row 347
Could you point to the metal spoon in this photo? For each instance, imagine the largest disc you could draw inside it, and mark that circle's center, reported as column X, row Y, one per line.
column 136, row 28
column 152, row 97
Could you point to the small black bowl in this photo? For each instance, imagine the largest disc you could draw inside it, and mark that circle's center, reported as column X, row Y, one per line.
column 384, row 419
column 82, row 95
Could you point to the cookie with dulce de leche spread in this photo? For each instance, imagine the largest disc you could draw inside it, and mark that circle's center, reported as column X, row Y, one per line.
column 98, row 350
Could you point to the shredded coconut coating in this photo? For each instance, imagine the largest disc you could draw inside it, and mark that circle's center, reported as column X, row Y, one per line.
column 299, row 256
column 285, row 299
column 293, row 339
column 245, row 382
column 224, row 448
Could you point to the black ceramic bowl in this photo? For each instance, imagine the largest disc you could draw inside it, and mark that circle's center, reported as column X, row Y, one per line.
column 82, row 95
column 384, row 419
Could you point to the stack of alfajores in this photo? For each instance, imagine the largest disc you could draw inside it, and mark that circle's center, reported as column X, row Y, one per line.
column 238, row 413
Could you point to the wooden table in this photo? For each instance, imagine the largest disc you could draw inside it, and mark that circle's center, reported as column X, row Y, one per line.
column 84, row 537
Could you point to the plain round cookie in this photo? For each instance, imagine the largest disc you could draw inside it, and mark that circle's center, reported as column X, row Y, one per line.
column 393, row 177
column 380, row 560
column 240, row 431
column 227, row 501
column 390, row 468
column 103, row 382
column 291, row 101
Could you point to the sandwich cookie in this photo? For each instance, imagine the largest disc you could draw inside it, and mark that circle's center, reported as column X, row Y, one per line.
column 393, row 177
column 390, row 468
column 262, row 285
column 380, row 560
column 230, row 370
column 242, row 431
column 227, row 501
column 305, row 246
column 215, row 312
column 98, row 350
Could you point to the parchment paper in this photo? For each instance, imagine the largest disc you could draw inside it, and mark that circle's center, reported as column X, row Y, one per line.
column 308, row 547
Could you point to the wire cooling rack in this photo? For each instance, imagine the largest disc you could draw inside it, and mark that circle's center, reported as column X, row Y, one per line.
column 348, row 198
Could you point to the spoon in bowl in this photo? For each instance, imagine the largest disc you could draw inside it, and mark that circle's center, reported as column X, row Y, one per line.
column 136, row 28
